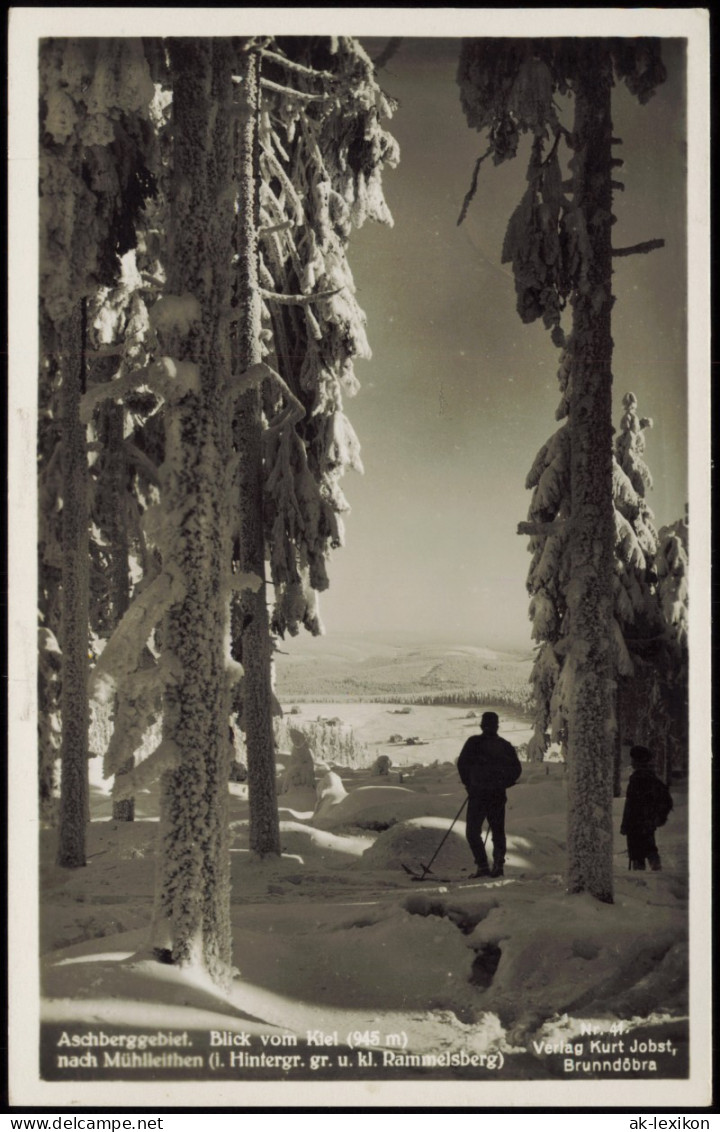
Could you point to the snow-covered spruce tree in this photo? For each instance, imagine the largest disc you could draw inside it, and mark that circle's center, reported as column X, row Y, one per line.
column 547, row 583
column 114, row 526
column 206, row 545
column 666, row 708
column 671, row 567
column 561, row 252
column 93, row 180
column 635, row 602
column 124, row 342
column 321, row 150
column 649, row 602
column 323, row 156
column 173, row 643
column 187, row 602
column 549, row 574
column 123, row 479
column 251, row 641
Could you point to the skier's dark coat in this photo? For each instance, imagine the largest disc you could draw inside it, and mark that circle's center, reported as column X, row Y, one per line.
column 488, row 763
column 647, row 806
column 647, row 802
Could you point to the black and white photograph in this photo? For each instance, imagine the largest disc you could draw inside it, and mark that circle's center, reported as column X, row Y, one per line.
column 359, row 741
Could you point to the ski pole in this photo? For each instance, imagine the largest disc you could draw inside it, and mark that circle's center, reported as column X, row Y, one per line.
column 426, row 868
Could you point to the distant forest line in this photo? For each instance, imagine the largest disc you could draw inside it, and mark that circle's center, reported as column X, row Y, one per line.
column 520, row 701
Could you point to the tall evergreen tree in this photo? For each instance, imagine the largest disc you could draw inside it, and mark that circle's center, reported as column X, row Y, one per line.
column 323, row 150
column 673, row 570
column 635, row 604
column 664, row 713
column 74, row 753
column 318, row 151
column 228, row 419
column 93, row 181
column 184, row 607
column 252, row 642
column 118, row 326
column 49, row 449
column 561, row 251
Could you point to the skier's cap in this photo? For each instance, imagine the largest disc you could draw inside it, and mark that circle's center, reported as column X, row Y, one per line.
column 641, row 755
column 489, row 721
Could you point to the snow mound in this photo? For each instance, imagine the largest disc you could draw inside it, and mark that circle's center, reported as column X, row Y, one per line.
column 374, row 807
column 329, row 793
column 298, row 804
column 537, row 793
column 319, row 845
column 535, row 850
column 113, row 893
column 414, row 842
column 378, row 957
column 583, row 955
column 300, row 770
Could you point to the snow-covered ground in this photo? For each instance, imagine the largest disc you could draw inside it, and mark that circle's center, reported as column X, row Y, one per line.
column 336, row 945
column 393, row 729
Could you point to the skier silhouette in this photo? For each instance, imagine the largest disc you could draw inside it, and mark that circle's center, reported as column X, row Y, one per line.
column 488, row 765
column 647, row 806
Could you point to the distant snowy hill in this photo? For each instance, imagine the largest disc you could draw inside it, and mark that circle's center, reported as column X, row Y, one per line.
column 400, row 665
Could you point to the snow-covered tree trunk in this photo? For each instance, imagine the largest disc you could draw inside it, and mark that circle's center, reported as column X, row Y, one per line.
column 588, row 669
column 561, row 248
column 110, row 549
column 74, row 787
column 617, row 750
column 50, row 574
column 252, row 629
column 115, row 484
column 93, row 181
column 192, row 322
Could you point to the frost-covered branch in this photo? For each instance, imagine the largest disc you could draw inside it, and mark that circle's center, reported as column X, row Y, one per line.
column 290, row 415
column 116, row 351
column 290, row 92
column 298, row 300
column 169, row 378
column 557, row 526
column 165, row 756
column 276, row 168
column 245, row 581
column 391, row 48
column 110, row 391
column 137, row 708
column 252, row 378
column 272, row 229
column 295, row 68
column 142, row 461
column 473, row 187
column 322, row 162
column 639, row 249
column 120, row 656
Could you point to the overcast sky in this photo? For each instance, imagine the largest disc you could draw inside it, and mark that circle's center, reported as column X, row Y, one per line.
column 460, row 394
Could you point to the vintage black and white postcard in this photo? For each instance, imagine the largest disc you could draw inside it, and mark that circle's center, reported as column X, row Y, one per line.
column 359, row 525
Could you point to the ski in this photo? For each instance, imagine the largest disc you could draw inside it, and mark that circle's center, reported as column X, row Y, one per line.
column 456, row 882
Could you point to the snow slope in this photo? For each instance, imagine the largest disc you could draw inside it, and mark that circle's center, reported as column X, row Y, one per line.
column 361, row 667
column 336, row 935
